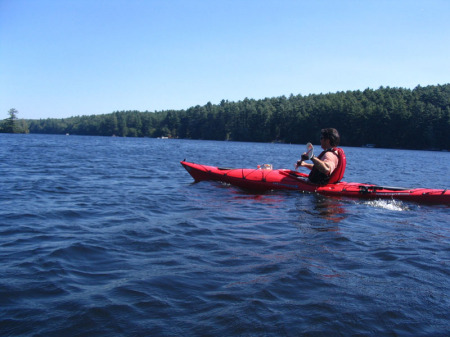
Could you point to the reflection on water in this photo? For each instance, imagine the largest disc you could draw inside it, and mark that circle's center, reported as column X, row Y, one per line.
column 320, row 208
column 261, row 198
column 331, row 209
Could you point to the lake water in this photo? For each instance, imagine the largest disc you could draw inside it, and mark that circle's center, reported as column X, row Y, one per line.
column 110, row 236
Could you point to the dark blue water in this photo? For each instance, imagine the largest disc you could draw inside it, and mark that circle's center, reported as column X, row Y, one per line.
column 110, row 236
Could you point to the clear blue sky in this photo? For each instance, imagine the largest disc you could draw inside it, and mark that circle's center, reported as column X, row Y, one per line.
column 62, row 58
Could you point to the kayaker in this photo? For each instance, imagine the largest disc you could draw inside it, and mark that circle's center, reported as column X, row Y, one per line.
column 323, row 166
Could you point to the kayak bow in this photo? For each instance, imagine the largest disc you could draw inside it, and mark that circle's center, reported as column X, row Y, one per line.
column 284, row 179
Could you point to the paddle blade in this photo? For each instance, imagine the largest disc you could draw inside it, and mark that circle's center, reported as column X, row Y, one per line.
column 309, row 150
column 309, row 153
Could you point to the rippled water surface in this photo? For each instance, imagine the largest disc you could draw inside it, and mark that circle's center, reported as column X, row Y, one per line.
column 110, row 236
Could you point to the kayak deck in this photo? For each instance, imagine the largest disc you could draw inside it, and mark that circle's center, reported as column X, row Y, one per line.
column 285, row 179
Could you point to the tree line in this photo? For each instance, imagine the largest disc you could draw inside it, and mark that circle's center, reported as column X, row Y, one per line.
column 416, row 118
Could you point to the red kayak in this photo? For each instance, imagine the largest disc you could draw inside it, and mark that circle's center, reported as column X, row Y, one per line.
column 266, row 179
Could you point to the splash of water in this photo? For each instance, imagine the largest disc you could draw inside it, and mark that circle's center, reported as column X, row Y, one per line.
column 392, row 205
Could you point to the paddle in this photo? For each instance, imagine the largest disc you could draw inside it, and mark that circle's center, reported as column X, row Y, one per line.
column 306, row 156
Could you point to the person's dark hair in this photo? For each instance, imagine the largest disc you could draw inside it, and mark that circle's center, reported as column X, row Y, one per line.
column 332, row 135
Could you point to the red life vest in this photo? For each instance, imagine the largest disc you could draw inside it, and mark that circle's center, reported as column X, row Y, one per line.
column 320, row 178
column 338, row 172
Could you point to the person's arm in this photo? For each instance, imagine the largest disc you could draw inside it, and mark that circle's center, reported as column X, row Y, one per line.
column 321, row 165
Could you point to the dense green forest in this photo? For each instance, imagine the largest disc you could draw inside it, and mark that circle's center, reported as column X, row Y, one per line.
column 416, row 118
